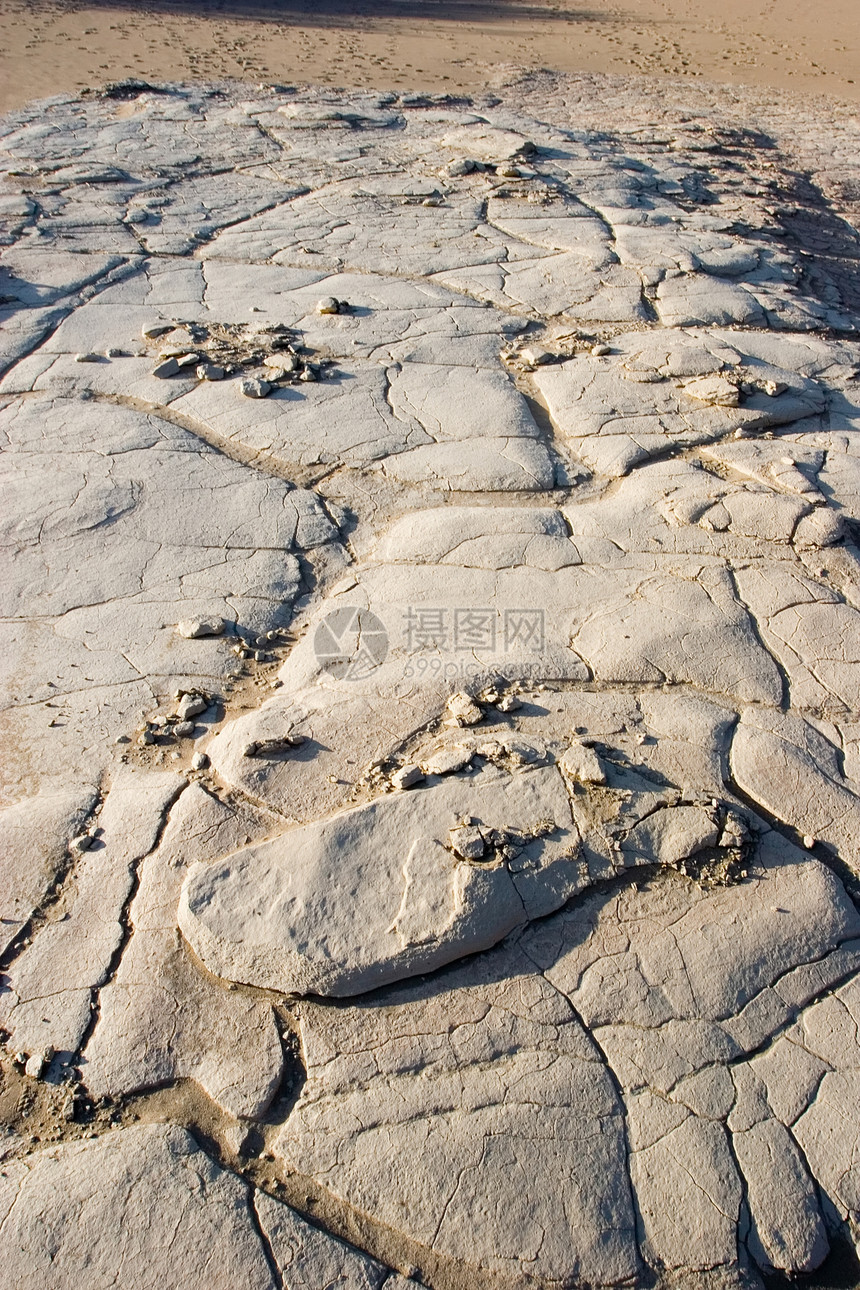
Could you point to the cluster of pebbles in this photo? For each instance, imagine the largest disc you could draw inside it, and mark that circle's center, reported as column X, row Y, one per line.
column 268, row 356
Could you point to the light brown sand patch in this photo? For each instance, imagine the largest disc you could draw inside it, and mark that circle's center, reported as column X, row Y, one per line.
column 52, row 46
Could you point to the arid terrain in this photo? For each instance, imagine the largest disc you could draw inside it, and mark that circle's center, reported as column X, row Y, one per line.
column 48, row 47
column 429, row 646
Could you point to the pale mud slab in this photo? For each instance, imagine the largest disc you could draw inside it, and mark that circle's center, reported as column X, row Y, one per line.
column 431, row 675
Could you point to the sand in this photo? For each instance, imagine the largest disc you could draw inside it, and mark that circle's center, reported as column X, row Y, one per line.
column 52, row 47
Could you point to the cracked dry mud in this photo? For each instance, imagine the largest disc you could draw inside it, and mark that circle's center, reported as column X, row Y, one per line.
column 431, row 721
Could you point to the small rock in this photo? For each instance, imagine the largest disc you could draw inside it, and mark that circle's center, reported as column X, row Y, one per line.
column 35, row 1065
column 600, row 351
column 507, row 171
column 508, row 703
column 150, row 330
column 773, row 388
column 111, row 352
column 463, row 710
column 735, row 832
column 191, row 705
column 447, row 761
column 535, row 355
column 253, row 388
column 467, row 842
column 87, row 358
column 186, row 360
column 184, row 729
column 210, row 372
column 463, row 166
column 808, row 841
column 145, row 738
column 271, row 747
column 432, row 201
column 407, row 776
column 714, row 390
column 193, row 628
column 199, row 761
column 328, row 305
column 582, row 763
column 510, row 752
column 282, row 364
column 169, row 367
column 80, row 844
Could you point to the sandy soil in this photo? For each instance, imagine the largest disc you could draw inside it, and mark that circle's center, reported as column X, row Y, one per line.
column 51, row 46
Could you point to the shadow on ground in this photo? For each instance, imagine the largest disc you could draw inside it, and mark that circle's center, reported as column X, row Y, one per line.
column 343, row 11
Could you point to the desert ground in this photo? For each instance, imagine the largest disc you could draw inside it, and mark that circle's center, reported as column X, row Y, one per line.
column 429, row 648
column 797, row 45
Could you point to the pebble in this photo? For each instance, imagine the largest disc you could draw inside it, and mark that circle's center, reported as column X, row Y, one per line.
column 253, row 388
column 535, row 355
column 191, row 705
column 463, row 709
column 467, row 842
column 186, row 360
column 210, row 372
column 184, row 729
column 169, row 367
column 463, row 166
column 509, row 703
column 35, row 1065
column 407, row 776
column 447, row 761
column 146, row 738
column 87, row 358
column 269, row 747
column 328, row 305
column 193, row 628
column 599, row 351
column 112, row 352
column 808, row 841
column 507, row 171
column 81, row 844
column 282, row 363
column 199, row 761
column 150, row 330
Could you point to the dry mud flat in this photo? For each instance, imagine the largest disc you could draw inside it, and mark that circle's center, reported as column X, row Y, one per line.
column 432, row 689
